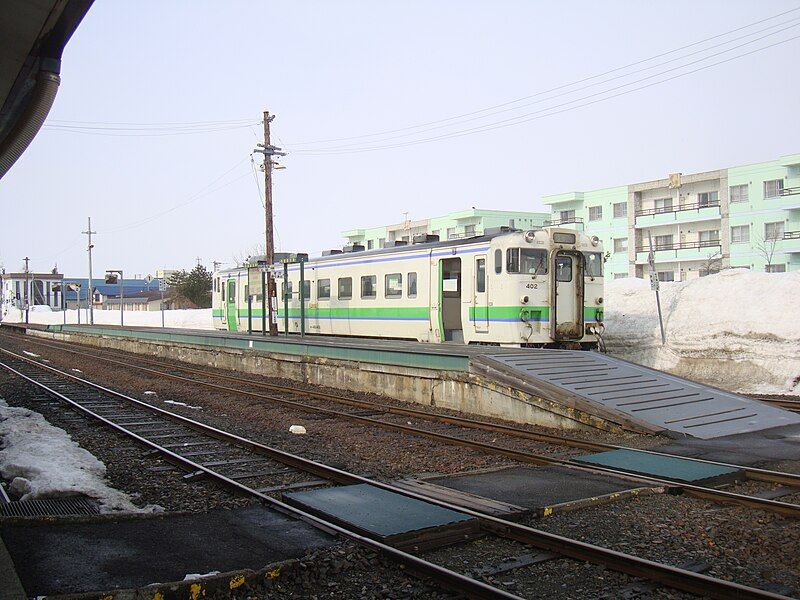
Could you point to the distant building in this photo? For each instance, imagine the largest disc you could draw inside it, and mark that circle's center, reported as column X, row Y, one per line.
column 22, row 290
column 166, row 274
column 137, row 301
column 746, row 216
column 466, row 223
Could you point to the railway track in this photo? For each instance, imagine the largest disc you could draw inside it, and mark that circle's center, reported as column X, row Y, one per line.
column 160, row 431
column 288, row 396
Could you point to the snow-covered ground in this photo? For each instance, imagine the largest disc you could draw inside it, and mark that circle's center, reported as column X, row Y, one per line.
column 738, row 329
column 42, row 461
column 189, row 319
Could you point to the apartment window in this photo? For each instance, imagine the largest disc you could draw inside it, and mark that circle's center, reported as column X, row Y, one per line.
column 620, row 275
column 381, row 242
column 345, row 288
column 393, row 283
column 709, row 237
column 469, row 231
column 708, row 199
column 775, row 268
column 480, row 275
column 772, row 188
column 620, row 210
column 287, row 290
column 435, row 232
column 369, row 283
column 370, row 244
column 663, row 242
column 595, row 213
column 662, row 204
column 567, row 216
column 323, row 289
column 451, row 233
column 740, row 234
column 620, row 244
column 774, row 231
column 412, row 285
column 739, row 193
column 666, row 276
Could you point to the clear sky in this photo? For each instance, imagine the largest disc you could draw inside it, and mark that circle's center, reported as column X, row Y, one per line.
column 332, row 70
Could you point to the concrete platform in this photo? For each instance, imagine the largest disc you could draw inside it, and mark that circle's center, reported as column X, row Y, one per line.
column 86, row 555
column 556, row 388
column 536, row 488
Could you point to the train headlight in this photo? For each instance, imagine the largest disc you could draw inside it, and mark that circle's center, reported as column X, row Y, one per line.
column 599, row 300
column 595, row 240
column 524, row 300
column 530, row 235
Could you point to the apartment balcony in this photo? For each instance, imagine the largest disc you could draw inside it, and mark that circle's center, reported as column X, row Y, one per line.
column 790, row 244
column 791, row 191
column 679, row 251
column 686, row 213
column 570, row 221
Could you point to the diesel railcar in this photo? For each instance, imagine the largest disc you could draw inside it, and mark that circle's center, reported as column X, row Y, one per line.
column 541, row 287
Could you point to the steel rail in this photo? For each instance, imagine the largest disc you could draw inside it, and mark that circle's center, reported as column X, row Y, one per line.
column 668, row 575
column 473, row 588
column 697, row 491
column 758, row 474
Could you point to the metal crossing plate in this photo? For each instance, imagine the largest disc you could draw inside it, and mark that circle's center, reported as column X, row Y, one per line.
column 665, row 467
column 647, row 395
column 374, row 510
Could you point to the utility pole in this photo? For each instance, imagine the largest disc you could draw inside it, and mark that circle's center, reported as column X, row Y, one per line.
column 89, row 292
column 27, row 290
column 268, row 150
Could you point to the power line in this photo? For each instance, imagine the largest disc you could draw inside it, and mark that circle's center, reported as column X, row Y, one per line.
column 557, row 88
column 524, row 118
column 151, row 124
column 111, row 132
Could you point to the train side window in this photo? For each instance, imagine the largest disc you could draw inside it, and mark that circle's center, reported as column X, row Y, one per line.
column 223, row 293
column 306, row 290
column 232, row 295
column 369, row 283
column 393, row 284
column 498, row 261
column 564, row 269
column 323, row 289
column 287, row 290
column 480, row 275
column 412, row 285
column 594, row 264
column 512, row 260
column 345, row 288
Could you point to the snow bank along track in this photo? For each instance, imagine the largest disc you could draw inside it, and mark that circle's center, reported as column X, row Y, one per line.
column 152, row 426
column 292, row 397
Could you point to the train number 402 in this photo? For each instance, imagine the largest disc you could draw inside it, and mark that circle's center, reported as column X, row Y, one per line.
column 532, row 286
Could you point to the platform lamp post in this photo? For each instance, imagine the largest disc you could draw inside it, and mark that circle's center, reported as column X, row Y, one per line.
column 112, row 276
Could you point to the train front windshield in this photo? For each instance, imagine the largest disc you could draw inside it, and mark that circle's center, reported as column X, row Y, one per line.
column 526, row 260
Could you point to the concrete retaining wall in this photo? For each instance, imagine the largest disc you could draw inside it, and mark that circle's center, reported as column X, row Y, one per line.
column 458, row 390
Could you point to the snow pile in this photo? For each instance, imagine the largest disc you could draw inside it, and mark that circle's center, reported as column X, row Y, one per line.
column 42, row 461
column 184, row 319
column 737, row 329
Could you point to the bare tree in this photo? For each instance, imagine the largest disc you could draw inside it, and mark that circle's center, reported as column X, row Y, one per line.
column 243, row 256
column 766, row 248
column 712, row 263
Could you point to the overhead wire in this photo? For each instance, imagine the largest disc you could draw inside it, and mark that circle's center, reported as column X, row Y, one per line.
column 526, row 117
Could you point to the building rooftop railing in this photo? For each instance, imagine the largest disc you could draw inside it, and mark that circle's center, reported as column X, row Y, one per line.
column 674, row 209
column 551, row 222
column 681, row 246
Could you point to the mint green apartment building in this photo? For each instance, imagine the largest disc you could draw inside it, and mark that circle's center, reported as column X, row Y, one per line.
column 745, row 216
column 466, row 223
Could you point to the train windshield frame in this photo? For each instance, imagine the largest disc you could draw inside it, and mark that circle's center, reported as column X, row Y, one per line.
column 527, row 261
column 594, row 264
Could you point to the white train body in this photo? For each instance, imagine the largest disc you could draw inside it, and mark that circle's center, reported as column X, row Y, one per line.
column 536, row 288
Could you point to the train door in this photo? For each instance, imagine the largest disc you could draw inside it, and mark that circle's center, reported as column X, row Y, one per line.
column 450, row 299
column 480, row 297
column 566, row 320
column 230, row 306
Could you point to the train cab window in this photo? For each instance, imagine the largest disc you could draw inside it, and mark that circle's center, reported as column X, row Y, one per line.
column 393, row 283
column 412, row 285
column 526, row 260
column 369, row 283
column 306, row 290
column 594, row 264
column 345, row 288
column 498, row 261
column 286, row 294
column 564, row 269
column 323, row 289
column 480, row 275
column 223, row 294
